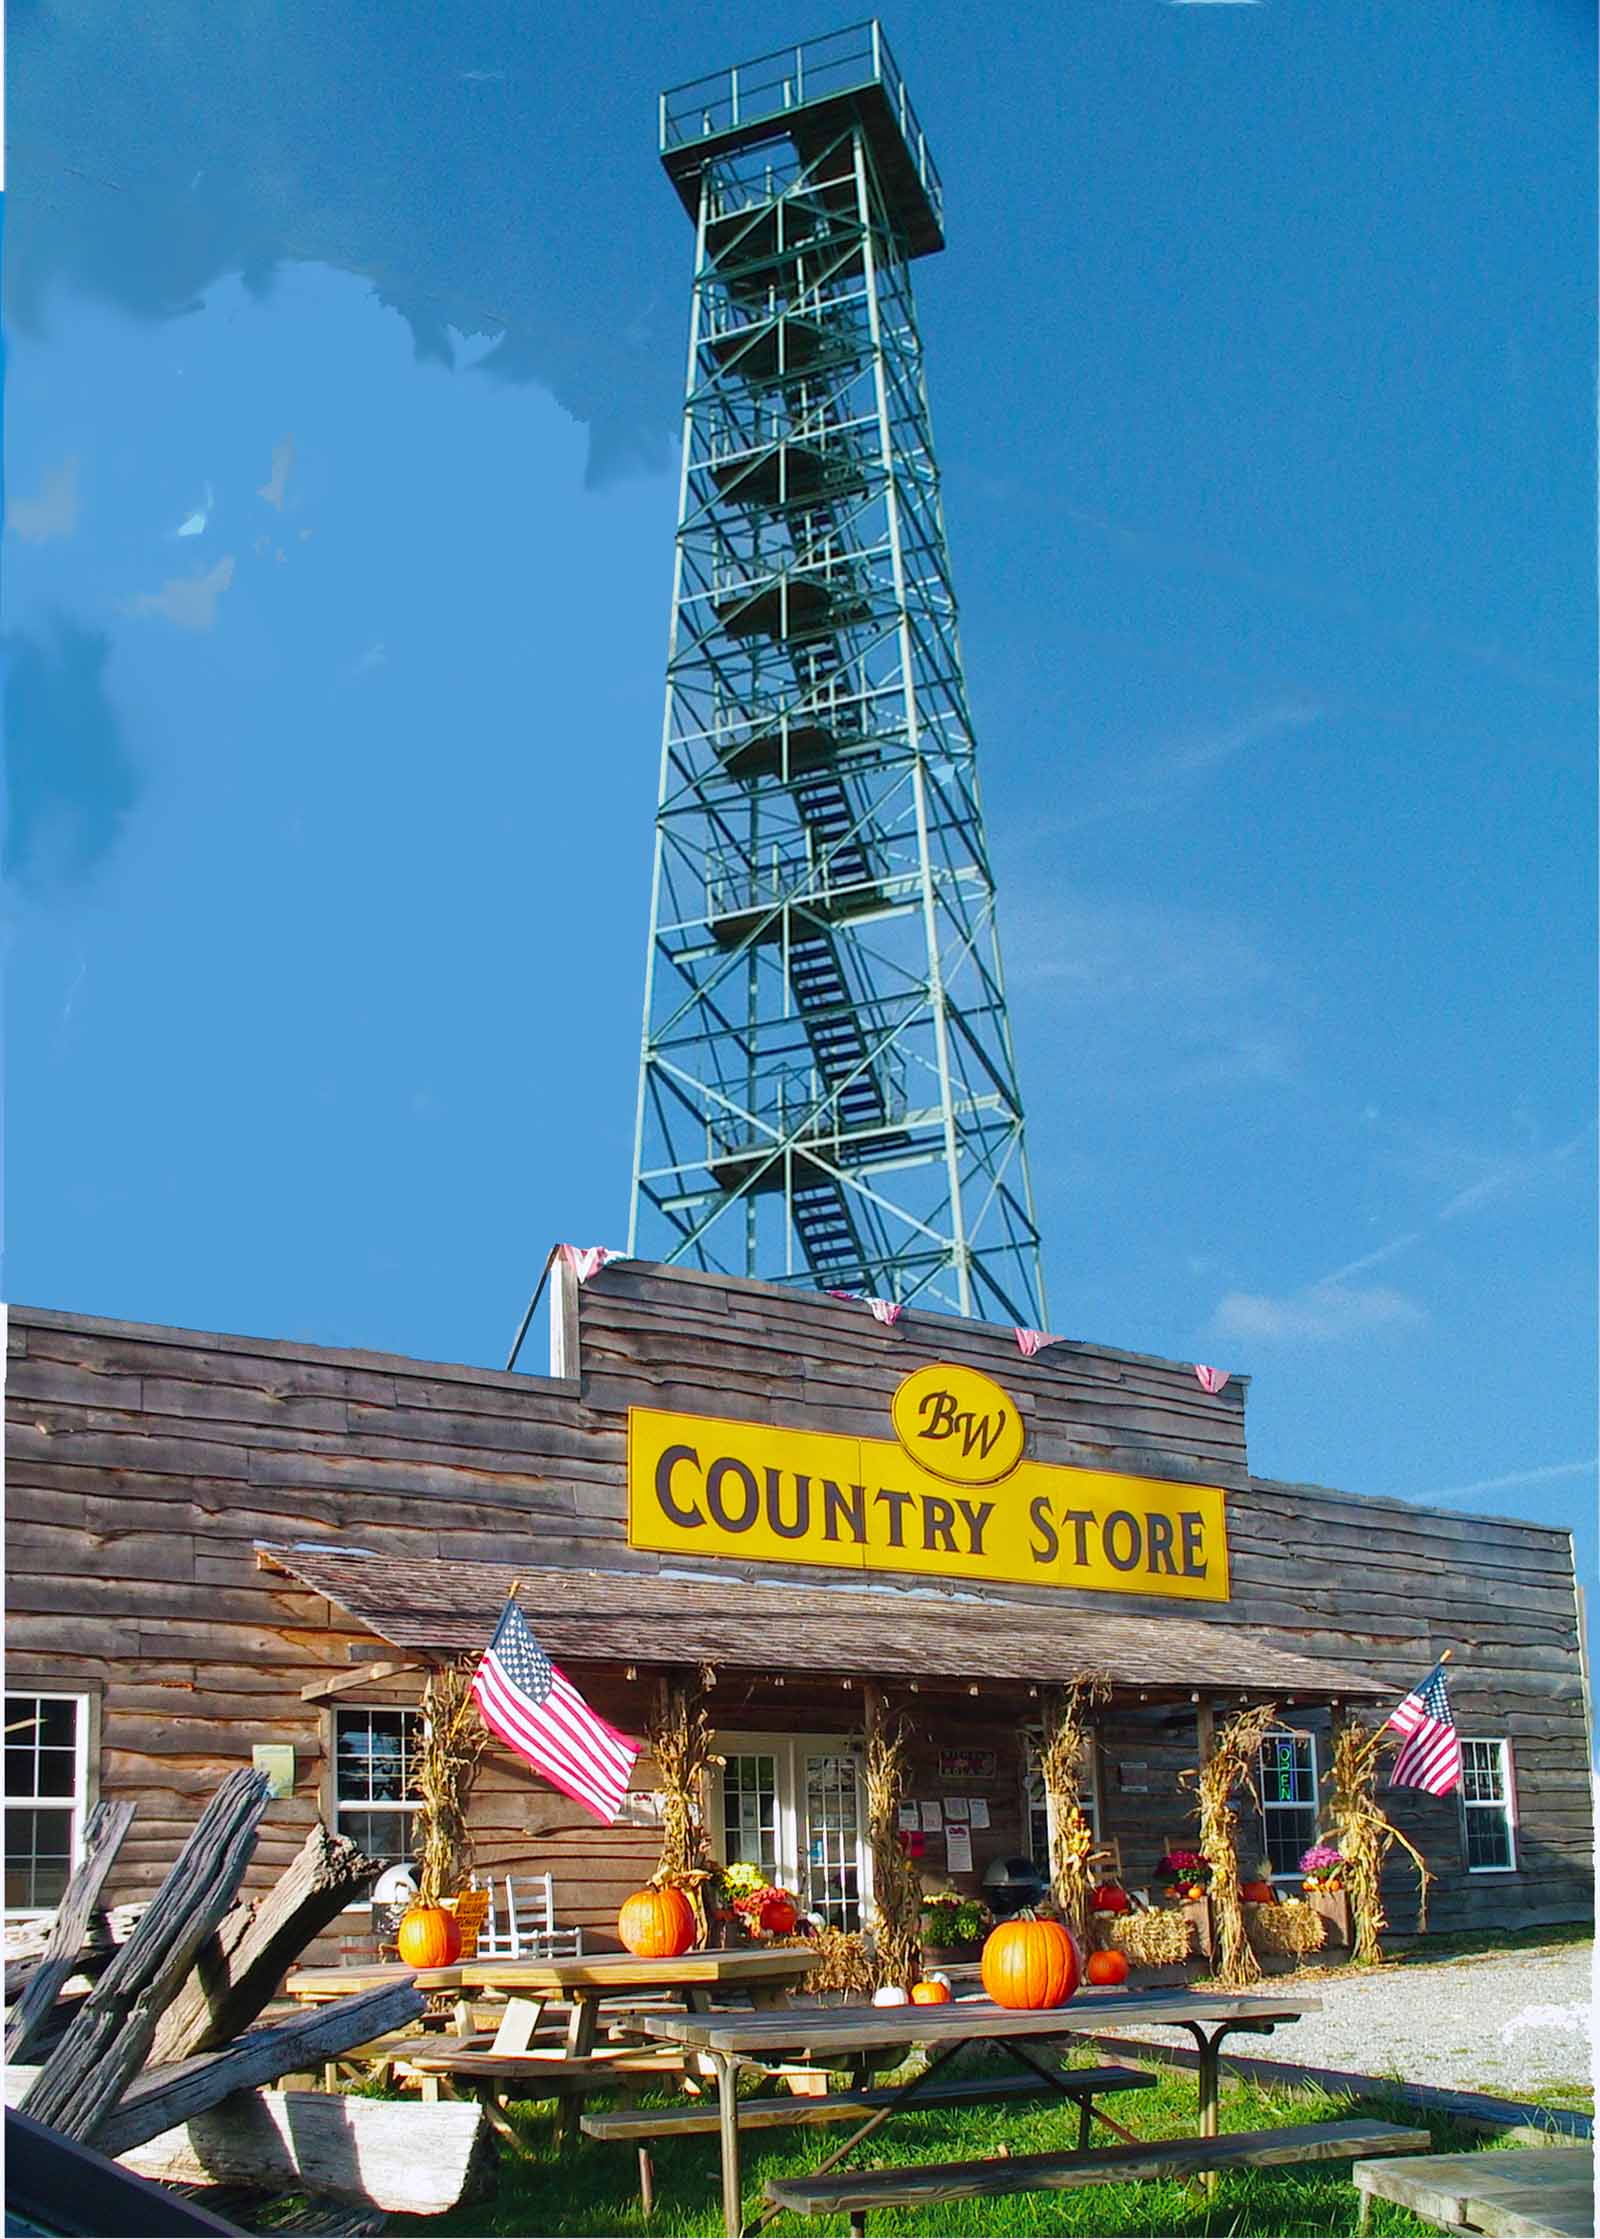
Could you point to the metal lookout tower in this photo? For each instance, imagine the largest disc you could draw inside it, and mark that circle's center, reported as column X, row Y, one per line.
column 827, row 1090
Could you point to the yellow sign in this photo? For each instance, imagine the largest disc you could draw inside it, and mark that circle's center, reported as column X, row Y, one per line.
column 958, row 1424
column 698, row 1485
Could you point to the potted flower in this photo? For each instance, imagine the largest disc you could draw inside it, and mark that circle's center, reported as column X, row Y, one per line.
column 1184, row 1875
column 1323, row 1867
column 954, row 1926
column 1322, row 1870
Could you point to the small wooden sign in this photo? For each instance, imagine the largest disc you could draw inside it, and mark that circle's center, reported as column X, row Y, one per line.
column 967, row 1764
column 276, row 1760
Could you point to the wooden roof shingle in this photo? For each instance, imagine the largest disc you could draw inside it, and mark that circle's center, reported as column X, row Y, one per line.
column 641, row 1617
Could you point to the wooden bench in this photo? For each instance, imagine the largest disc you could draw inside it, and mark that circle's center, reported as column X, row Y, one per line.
column 929, row 2183
column 1080, row 2085
column 495, row 2077
column 1540, row 2192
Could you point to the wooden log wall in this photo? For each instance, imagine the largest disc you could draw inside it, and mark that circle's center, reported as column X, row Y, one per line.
column 144, row 1462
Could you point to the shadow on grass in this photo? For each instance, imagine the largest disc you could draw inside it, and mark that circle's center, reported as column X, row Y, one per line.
column 592, row 2190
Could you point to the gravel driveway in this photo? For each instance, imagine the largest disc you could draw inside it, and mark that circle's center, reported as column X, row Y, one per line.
column 1505, row 2023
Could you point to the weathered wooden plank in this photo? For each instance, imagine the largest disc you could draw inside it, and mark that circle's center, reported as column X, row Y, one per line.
column 238, row 1968
column 107, row 1825
column 928, row 2183
column 407, row 2159
column 164, row 2097
column 55, row 2184
column 108, row 2040
column 775, row 2114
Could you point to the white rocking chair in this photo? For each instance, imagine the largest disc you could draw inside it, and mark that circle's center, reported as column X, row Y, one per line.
column 512, row 1936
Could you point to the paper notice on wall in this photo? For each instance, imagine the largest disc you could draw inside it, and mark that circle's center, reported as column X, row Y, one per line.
column 932, row 1819
column 955, row 1807
column 910, row 1818
column 979, row 1810
column 958, row 1850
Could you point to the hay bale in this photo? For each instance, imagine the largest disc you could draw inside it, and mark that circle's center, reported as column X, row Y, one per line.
column 1162, row 1938
column 1290, row 1929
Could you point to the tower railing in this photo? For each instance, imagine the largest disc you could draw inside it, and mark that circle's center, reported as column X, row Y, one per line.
column 770, row 86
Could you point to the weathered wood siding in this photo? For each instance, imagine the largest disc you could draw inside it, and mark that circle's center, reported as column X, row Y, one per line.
column 144, row 1462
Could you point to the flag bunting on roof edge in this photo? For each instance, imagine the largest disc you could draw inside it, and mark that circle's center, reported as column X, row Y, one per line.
column 532, row 1705
column 885, row 1310
column 586, row 1259
column 1031, row 1341
column 1430, row 1748
column 1211, row 1379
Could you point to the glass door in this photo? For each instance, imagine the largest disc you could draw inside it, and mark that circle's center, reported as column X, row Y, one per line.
column 833, row 1846
column 792, row 1805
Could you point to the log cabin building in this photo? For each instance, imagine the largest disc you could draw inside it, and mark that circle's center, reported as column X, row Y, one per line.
column 222, row 1549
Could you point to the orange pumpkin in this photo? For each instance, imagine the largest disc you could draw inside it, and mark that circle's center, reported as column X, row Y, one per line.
column 657, row 1923
column 1028, row 1964
column 930, row 1994
column 1257, row 1893
column 429, row 1937
column 1106, row 1967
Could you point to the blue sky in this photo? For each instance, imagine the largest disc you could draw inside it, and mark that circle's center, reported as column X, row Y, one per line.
column 345, row 353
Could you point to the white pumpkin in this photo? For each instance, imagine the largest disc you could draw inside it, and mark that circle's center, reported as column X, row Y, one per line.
column 892, row 1994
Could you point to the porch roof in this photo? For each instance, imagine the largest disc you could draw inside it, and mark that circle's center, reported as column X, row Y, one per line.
column 641, row 1617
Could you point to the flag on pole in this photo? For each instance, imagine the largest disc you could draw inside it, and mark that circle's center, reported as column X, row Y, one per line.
column 531, row 1704
column 1430, row 1748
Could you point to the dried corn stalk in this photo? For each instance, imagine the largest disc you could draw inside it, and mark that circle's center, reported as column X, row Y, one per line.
column 453, row 1739
column 681, row 1744
column 1365, row 1832
column 1063, row 1759
column 896, row 1884
column 844, row 1964
column 1231, row 1766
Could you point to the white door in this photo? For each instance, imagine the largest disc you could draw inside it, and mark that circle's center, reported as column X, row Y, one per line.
column 794, row 1806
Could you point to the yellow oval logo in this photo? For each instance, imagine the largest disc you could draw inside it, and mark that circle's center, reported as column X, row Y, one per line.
column 958, row 1425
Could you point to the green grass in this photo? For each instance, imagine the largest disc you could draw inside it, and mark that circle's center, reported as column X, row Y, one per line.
column 593, row 2188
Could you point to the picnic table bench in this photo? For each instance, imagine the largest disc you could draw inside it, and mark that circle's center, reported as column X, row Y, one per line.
column 841, row 2036
column 926, row 2184
column 1081, row 2086
column 1532, row 2192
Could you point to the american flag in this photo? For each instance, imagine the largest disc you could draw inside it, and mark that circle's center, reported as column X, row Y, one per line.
column 1430, row 1748
column 523, row 1698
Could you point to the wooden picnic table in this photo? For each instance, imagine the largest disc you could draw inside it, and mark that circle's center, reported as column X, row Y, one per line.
column 861, row 2036
column 1533, row 2192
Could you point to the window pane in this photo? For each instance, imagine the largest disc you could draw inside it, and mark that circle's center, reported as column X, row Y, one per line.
column 374, row 1759
column 20, row 1764
column 38, row 1856
column 831, row 1874
column 57, row 1768
column 1488, row 1839
column 1287, row 1779
column 750, row 1812
column 56, row 1722
column 384, row 1835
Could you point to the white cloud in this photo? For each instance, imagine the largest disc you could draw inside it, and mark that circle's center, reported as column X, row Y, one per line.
column 1547, row 1475
column 278, row 482
column 1174, row 770
column 191, row 601
column 54, row 512
column 1324, row 1313
column 197, row 522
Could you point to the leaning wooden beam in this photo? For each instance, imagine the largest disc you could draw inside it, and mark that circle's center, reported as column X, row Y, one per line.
column 238, row 1969
column 55, row 2184
column 108, row 1823
column 167, row 2096
column 411, row 2160
column 109, row 2040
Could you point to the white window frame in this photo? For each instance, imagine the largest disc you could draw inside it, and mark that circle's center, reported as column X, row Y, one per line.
column 86, row 1705
column 789, row 1752
column 1505, row 1804
column 335, row 1807
column 1088, row 1794
column 1295, row 1734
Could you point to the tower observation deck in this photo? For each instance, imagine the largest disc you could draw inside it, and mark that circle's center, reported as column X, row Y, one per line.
column 827, row 1090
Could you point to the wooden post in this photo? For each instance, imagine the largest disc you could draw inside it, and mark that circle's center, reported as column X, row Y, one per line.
column 728, row 2124
column 1205, row 1726
column 108, row 1823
